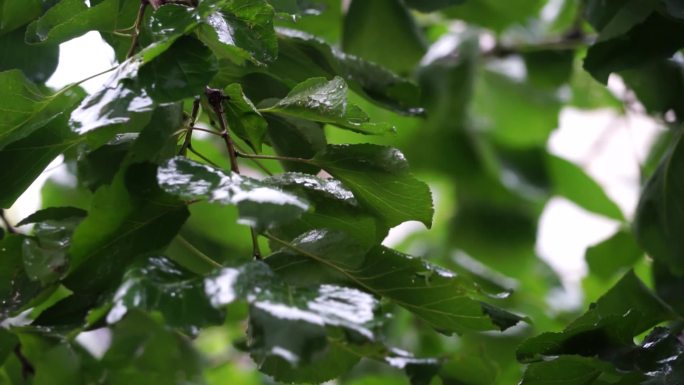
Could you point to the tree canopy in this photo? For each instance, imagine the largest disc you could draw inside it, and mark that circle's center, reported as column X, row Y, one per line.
column 223, row 199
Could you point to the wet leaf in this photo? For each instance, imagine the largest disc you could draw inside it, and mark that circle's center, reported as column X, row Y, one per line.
column 27, row 107
column 438, row 296
column 243, row 117
column 326, row 101
column 259, row 204
column 160, row 285
column 180, row 72
column 381, row 181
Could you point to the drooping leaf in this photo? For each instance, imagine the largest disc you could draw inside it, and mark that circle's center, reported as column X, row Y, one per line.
column 15, row 13
column 36, row 62
column 657, row 37
column 381, row 181
column 45, row 253
column 145, row 351
column 26, row 107
column 614, row 255
column 660, row 213
column 260, row 205
column 326, row 101
column 571, row 182
column 297, row 334
column 53, row 213
column 383, row 32
column 659, row 85
column 438, row 296
column 69, row 19
column 296, row 138
column 162, row 286
column 180, row 72
column 243, row 118
column 628, row 309
column 120, row 106
column 16, row 289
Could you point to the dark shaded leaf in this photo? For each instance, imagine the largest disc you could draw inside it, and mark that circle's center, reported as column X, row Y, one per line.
column 296, row 138
column 243, row 117
column 658, row 37
column 180, row 72
column 16, row 289
column 659, row 85
column 625, row 311
column 614, row 255
column 383, row 32
column 37, row 63
column 660, row 213
column 53, row 213
column 15, row 13
column 381, row 181
column 431, row 5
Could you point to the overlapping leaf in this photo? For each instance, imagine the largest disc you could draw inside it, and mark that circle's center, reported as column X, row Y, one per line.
column 260, row 204
column 440, row 297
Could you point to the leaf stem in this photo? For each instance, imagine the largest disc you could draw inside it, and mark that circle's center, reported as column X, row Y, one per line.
column 274, row 157
column 197, row 252
column 191, row 126
column 4, row 220
column 216, row 98
column 136, row 28
column 204, row 158
column 27, row 368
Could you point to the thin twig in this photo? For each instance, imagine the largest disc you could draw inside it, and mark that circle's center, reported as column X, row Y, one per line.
column 197, row 252
column 136, row 27
column 4, row 220
column 204, row 158
column 216, row 98
column 274, row 157
column 191, row 126
column 27, row 368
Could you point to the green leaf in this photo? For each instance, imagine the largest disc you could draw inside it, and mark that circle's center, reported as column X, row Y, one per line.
column 162, row 286
column 657, row 37
column 120, row 106
column 302, row 56
column 16, row 289
column 37, row 63
column 494, row 14
column 383, row 32
column 296, row 138
column 570, row 181
column 243, row 118
column 297, row 334
column 564, row 370
column 180, row 72
column 628, row 309
column 381, row 181
column 431, row 5
column 660, row 213
column 514, row 113
column 26, row 107
column 659, row 86
column 71, row 18
column 25, row 159
column 53, row 213
column 7, row 343
column 247, row 24
column 438, row 296
column 325, row 101
column 668, row 286
column 15, row 13
column 145, row 351
column 259, row 204
column 614, row 255
column 45, row 253
column 124, row 214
